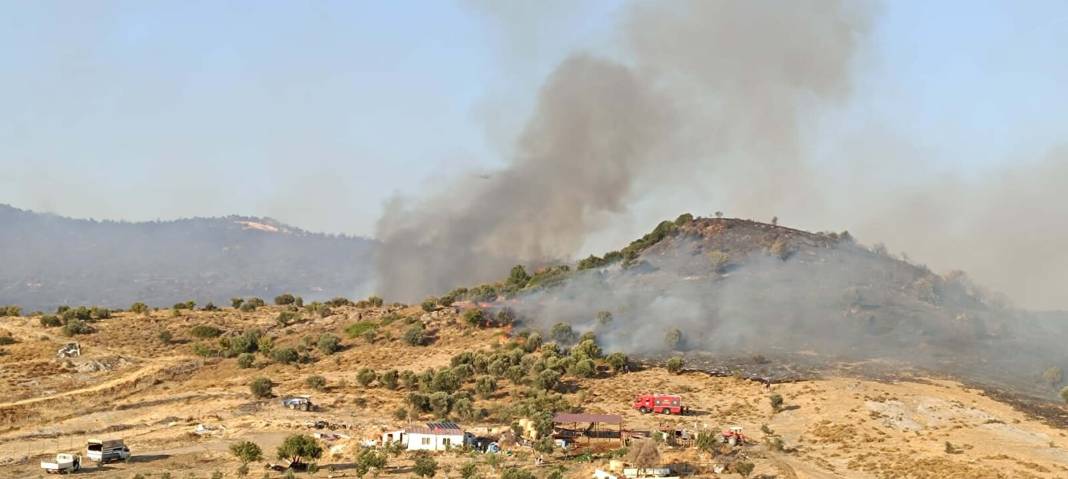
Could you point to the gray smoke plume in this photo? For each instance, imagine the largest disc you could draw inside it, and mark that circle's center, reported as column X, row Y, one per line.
column 703, row 83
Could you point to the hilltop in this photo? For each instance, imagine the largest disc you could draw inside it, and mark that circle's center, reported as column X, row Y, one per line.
column 740, row 288
column 49, row 260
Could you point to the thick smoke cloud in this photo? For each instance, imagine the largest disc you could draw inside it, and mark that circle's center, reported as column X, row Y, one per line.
column 704, row 83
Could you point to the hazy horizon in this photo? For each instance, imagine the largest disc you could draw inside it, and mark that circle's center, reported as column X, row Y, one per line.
column 938, row 130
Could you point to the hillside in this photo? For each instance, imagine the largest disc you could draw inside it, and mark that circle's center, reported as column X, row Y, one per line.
column 739, row 288
column 48, row 260
column 158, row 394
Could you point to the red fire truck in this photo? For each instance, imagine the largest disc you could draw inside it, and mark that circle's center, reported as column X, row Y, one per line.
column 660, row 404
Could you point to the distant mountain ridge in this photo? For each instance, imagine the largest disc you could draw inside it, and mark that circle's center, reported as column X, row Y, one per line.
column 48, row 260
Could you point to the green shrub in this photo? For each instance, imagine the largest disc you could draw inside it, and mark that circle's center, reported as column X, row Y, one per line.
column 583, row 368
column 186, row 305
column 388, row 379
column 425, row 466
column 587, row 349
column 469, row 471
column 201, row 349
column 265, row 344
column 285, row 318
column 415, row 335
column 617, row 361
column 261, row 387
column 246, row 451
column 365, row 376
column 139, row 308
column 329, row 343
column 440, row 404
column 50, row 321
column 375, row 301
column 285, row 299
column 10, row 310
column 474, row 317
column 204, row 331
column 316, row 382
column 209, row 307
column 298, row 448
column 246, row 360
column 236, row 302
column 247, row 307
column 445, row 380
column 505, row 316
column 400, row 414
column 165, row 337
column 359, row 328
column 257, row 302
column 339, row 302
column 285, row 355
column 776, row 402
column 247, row 342
column 675, row 364
column 76, row 326
column 485, row 386
column 6, row 340
column 547, row 379
column 429, row 304
column 562, row 333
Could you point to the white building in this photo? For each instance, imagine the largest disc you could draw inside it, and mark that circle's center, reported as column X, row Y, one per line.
column 435, row 436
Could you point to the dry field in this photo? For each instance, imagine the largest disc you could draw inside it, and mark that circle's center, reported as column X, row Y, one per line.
column 130, row 384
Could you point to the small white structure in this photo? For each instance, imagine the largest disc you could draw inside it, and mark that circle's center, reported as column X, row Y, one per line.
column 435, row 436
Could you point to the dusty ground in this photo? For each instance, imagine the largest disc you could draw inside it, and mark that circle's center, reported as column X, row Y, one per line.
column 129, row 384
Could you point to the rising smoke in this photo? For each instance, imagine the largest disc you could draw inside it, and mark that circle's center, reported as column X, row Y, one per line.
column 721, row 83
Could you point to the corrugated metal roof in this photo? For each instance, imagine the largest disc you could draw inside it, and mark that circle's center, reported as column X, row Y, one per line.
column 561, row 418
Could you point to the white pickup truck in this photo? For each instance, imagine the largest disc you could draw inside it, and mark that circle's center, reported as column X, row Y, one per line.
column 67, row 463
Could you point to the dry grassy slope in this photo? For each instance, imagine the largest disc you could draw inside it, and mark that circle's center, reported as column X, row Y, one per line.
column 841, row 427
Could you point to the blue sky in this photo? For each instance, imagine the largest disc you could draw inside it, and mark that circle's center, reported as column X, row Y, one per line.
column 317, row 112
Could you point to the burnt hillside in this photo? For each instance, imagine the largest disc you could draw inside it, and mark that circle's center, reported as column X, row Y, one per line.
column 739, row 288
column 48, row 260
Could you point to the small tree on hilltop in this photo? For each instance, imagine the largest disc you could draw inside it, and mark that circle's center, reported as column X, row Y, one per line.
column 298, row 447
column 139, row 308
column 246, row 451
column 425, row 466
column 284, row 299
